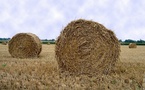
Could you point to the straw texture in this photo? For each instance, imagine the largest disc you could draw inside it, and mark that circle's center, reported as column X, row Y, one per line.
column 86, row 47
column 24, row 45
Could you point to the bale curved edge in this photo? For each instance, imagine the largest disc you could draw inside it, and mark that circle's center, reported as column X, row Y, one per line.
column 86, row 47
column 24, row 45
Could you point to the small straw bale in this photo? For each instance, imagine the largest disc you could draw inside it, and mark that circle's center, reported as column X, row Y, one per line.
column 24, row 45
column 4, row 43
column 48, row 43
column 132, row 45
column 86, row 47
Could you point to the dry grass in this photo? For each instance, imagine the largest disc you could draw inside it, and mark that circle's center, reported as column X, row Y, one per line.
column 133, row 55
column 42, row 73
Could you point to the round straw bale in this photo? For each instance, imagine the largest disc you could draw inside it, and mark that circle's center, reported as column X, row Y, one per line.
column 132, row 45
column 4, row 43
column 24, row 45
column 86, row 47
column 48, row 43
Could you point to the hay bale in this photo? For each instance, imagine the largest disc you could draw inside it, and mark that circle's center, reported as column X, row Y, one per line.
column 86, row 47
column 4, row 43
column 48, row 43
column 24, row 45
column 132, row 45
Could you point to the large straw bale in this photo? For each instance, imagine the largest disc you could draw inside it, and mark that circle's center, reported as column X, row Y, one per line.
column 86, row 47
column 24, row 45
column 132, row 45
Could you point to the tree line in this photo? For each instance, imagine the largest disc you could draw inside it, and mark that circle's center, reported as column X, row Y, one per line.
column 127, row 41
column 44, row 41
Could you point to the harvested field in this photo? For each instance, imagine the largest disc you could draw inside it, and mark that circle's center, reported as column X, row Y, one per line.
column 42, row 73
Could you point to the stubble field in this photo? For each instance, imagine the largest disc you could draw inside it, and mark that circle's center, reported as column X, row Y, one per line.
column 42, row 73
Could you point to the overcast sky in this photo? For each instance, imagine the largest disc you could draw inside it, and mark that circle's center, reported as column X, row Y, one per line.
column 46, row 18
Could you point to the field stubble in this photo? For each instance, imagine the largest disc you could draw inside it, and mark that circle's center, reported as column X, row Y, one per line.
column 42, row 73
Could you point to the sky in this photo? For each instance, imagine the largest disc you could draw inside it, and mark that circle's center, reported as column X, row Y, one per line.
column 47, row 18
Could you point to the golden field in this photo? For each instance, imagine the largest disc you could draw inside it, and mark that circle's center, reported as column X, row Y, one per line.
column 42, row 73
